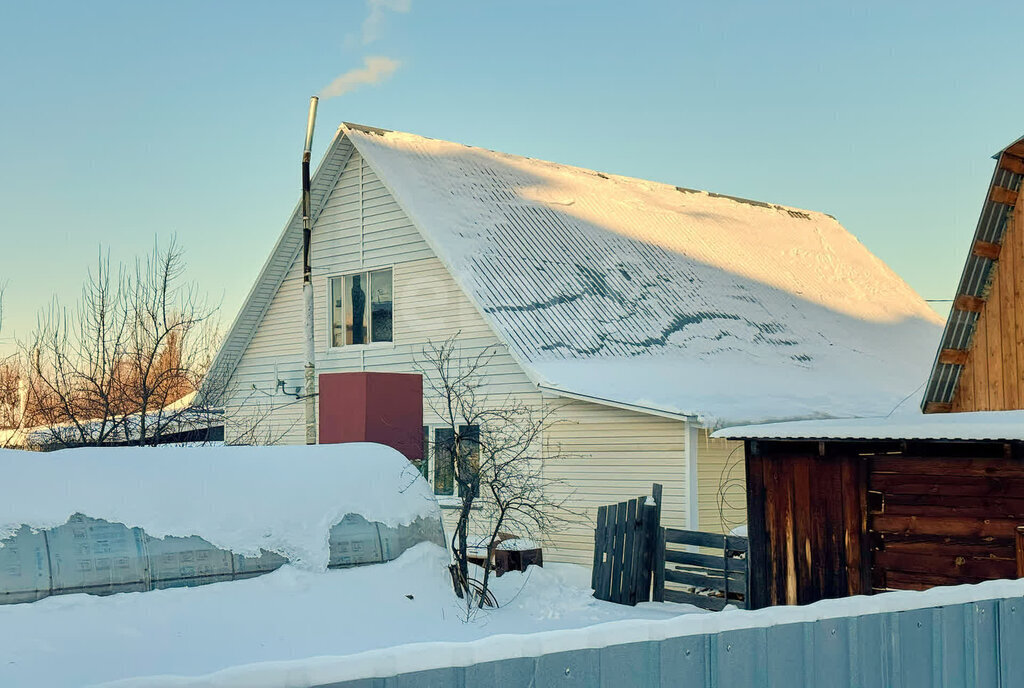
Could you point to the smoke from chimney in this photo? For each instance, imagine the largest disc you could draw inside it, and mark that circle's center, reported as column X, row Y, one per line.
column 373, row 71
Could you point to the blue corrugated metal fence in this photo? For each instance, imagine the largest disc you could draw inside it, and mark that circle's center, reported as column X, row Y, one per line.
column 980, row 644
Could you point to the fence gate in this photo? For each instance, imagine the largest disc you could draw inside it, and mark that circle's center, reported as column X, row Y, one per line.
column 636, row 560
column 624, row 545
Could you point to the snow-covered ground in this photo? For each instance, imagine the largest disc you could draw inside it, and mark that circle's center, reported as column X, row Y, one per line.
column 289, row 615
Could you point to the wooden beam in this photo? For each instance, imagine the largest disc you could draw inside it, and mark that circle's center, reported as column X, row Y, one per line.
column 971, row 304
column 1016, row 149
column 938, row 407
column 953, row 356
column 986, row 249
column 1011, row 163
column 1000, row 194
column 1020, row 551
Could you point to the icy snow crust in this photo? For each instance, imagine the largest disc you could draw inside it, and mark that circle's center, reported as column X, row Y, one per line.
column 652, row 295
column 913, row 425
column 281, row 499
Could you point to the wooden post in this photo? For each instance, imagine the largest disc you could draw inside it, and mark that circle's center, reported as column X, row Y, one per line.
column 595, row 575
column 757, row 530
column 656, row 553
column 659, row 567
column 1020, row 551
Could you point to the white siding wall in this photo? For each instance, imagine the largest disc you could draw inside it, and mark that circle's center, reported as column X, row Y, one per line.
column 613, row 455
column 616, row 454
column 722, row 483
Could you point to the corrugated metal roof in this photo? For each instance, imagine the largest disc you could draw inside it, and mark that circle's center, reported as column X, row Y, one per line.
column 662, row 296
column 981, row 425
column 647, row 295
column 975, row 279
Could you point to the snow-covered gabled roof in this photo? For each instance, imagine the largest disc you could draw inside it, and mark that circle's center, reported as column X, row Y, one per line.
column 652, row 296
column 658, row 296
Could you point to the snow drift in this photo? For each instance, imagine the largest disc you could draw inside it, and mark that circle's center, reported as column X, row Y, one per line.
column 248, row 500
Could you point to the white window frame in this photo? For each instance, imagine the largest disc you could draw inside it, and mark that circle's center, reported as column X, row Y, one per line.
column 445, row 501
column 330, row 308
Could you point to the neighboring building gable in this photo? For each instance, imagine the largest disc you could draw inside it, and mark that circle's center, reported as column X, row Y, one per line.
column 980, row 362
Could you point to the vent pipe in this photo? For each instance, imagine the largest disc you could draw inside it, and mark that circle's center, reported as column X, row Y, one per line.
column 309, row 351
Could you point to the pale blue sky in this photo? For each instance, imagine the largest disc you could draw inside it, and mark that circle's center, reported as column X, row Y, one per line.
column 121, row 121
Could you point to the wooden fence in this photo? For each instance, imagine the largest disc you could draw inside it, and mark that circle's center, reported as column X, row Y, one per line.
column 636, row 560
column 625, row 543
column 709, row 562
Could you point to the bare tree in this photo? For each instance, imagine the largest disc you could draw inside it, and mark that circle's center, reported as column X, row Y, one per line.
column 112, row 368
column 497, row 450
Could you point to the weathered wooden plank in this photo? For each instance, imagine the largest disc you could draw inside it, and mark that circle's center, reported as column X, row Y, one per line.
column 953, row 357
column 694, row 537
column 904, row 580
column 1019, row 550
column 987, row 549
column 943, row 525
column 608, row 548
column 695, row 559
column 649, row 532
column 658, row 586
column 953, row 510
column 713, row 603
column 618, row 550
column 598, row 550
column 629, row 553
column 949, row 485
column 1014, row 243
column 756, row 531
column 1007, row 330
column 1011, row 163
column 979, row 357
column 953, row 566
column 737, row 543
column 805, row 537
column 972, row 304
column 1000, row 194
column 919, row 466
column 938, row 407
column 698, row 580
column 993, row 335
column 852, row 525
column 986, row 249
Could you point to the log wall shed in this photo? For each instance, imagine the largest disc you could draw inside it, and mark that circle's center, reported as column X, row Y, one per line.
column 858, row 506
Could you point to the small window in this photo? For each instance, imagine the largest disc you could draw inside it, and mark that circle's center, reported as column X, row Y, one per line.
column 441, row 472
column 361, row 308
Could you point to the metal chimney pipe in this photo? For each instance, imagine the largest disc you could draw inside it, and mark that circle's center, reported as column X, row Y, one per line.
column 309, row 350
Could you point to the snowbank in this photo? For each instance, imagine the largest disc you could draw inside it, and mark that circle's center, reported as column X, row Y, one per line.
column 280, row 627
column 433, row 655
column 243, row 499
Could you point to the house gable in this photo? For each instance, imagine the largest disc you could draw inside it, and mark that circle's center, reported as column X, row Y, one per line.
column 980, row 362
column 359, row 227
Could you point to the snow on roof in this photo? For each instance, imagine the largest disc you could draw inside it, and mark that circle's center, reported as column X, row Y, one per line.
column 281, row 499
column 656, row 296
column 980, row 425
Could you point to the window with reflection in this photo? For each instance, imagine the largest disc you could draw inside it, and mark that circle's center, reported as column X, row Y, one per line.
column 361, row 308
